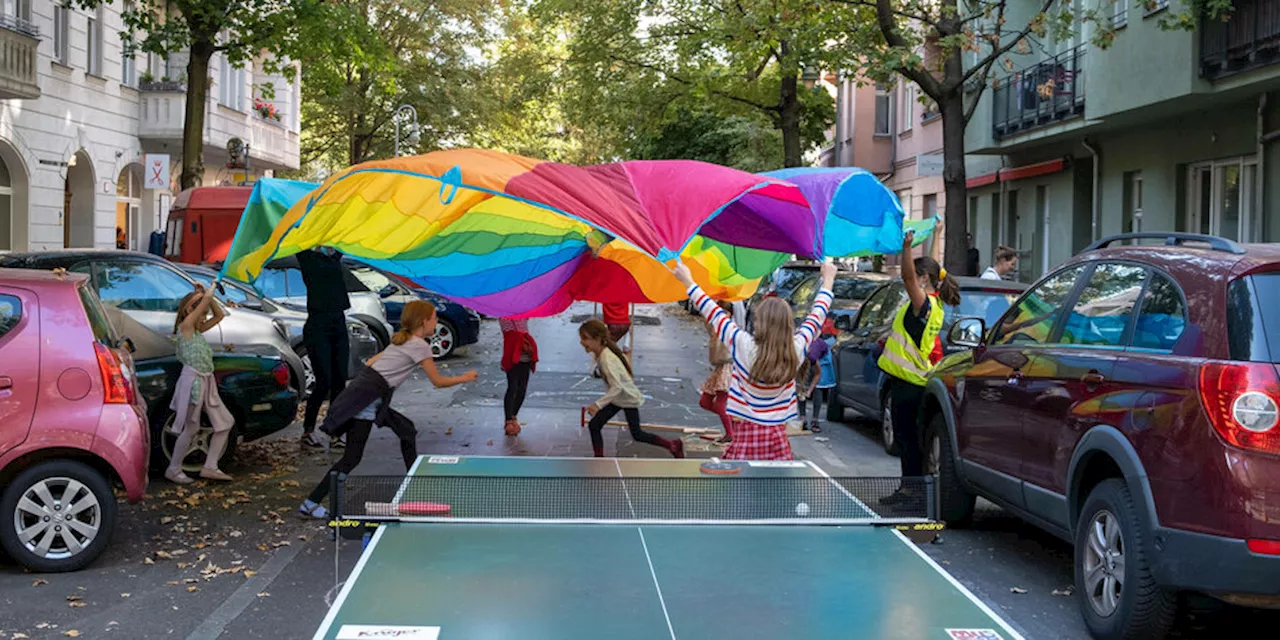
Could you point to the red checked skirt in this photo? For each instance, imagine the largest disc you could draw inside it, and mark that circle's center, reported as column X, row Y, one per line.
column 753, row 441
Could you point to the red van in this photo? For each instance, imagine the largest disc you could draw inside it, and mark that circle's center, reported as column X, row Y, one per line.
column 202, row 223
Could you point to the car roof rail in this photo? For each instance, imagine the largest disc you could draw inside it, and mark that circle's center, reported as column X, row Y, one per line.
column 1173, row 239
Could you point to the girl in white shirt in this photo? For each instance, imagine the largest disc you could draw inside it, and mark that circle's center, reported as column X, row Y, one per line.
column 621, row 393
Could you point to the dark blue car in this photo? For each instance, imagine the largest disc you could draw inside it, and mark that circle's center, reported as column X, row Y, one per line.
column 458, row 325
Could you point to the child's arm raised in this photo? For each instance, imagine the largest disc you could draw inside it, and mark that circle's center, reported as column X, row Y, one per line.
column 726, row 331
column 440, row 381
column 821, row 306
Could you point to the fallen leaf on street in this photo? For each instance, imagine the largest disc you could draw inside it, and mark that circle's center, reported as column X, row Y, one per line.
column 491, row 443
column 124, row 595
column 71, row 633
column 282, row 543
column 263, row 594
column 148, row 561
column 449, row 431
column 1018, row 590
column 43, row 625
column 192, row 589
column 250, row 574
column 73, row 597
column 20, row 636
column 1064, row 592
column 77, row 604
column 39, row 581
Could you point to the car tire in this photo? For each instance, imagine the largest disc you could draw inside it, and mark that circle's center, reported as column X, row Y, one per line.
column 1134, row 606
column 955, row 503
column 63, row 480
column 165, row 440
column 887, row 439
column 445, row 340
column 835, row 408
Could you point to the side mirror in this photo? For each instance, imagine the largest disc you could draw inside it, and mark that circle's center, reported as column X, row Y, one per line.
column 387, row 291
column 967, row 333
column 844, row 323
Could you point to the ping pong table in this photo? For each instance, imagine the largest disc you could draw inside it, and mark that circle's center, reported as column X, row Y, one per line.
column 569, row 548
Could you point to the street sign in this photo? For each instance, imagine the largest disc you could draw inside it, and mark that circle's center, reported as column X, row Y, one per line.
column 929, row 165
column 156, row 172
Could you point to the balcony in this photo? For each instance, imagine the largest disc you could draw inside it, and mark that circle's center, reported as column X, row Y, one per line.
column 1040, row 95
column 272, row 143
column 162, row 110
column 18, row 42
column 1248, row 39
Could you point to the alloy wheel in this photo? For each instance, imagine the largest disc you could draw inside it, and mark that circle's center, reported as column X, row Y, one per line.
column 57, row 518
column 442, row 341
column 1104, row 563
column 194, row 458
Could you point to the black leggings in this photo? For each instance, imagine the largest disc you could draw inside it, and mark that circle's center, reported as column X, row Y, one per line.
column 819, row 396
column 517, row 386
column 905, row 398
column 329, row 348
column 357, row 437
column 633, row 422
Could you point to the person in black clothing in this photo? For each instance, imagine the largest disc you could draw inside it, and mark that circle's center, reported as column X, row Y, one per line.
column 973, row 259
column 325, row 333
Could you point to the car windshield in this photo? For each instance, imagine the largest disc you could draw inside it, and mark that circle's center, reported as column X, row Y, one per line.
column 789, row 277
column 988, row 305
column 855, row 288
column 370, row 277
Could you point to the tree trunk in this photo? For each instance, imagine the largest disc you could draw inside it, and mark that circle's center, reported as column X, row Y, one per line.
column 789, row 109
column 193, row 122
column 953, row 179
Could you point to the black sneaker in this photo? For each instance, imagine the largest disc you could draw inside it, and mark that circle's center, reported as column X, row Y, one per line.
column 310, row 441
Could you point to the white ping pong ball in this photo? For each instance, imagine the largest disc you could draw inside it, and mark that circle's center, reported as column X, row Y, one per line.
column 802, row 509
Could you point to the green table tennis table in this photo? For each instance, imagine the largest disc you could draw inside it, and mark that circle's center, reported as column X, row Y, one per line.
column 574, row 548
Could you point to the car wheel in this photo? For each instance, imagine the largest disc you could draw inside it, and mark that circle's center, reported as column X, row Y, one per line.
column 444, row 341
column 1119, row 597
column 887, row 439
column 955, row 504
column 835, row 408
column 308, row 373
column 199, row 449
column 57, row 516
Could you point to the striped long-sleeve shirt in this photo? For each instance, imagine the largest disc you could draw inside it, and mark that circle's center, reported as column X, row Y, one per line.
column 748, row 399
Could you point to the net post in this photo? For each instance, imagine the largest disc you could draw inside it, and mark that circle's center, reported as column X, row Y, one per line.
column 334, row 499
column 931, row 497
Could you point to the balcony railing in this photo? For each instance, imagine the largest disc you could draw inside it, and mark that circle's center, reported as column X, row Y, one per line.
column 1249, row 38
column 18, row 42
column 1040, row 95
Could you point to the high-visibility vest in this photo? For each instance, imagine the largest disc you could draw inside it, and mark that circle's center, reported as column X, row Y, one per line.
column 907, row 361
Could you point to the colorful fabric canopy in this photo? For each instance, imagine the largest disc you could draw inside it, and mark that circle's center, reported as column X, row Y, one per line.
column 857, row 215
column 508, row 235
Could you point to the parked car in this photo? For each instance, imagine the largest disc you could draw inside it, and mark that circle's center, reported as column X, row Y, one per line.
column 1128, row 403
column 860, row 384
column 254, row 387
column 149, row 288
column 237, row 294
column 458, row 325
column 281, row 281
column 71, row 421
column 782, row 282
column 849, row 291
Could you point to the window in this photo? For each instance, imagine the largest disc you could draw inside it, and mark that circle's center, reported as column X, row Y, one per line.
column 6, row 209
column 848, row 289
column 987, row 305
column 139, row 286
column 1253, row 324
column 1120, row 13
column 880, row 309
column 884, row 110
column 1101, row 315
column 10, row 313
column 98, row 323
column 373, row 279
column 272, row 283
column 20, row 10
column 62, row 34
column 1033, row 319
column 232, row 86
column 1131, row 216
column 908, row 106
column 94, row 28
column 128, row 60
column 1163, row 316
column 1155, row 6
column 1222, row 199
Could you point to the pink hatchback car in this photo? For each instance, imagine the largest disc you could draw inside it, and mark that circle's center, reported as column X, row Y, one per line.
column 71, row 422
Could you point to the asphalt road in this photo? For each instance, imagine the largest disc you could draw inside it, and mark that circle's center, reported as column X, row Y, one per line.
column 237, row 562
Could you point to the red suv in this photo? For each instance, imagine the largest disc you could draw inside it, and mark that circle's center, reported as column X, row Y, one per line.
column 71, row 422
column 1128, row 403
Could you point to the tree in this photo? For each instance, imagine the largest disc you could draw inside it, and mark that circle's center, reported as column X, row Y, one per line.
column 241, row 31
column 924, row 41
column 366, row 58
column 750, row 54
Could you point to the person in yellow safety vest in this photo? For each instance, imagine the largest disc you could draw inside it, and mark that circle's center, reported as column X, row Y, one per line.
column 913, row 348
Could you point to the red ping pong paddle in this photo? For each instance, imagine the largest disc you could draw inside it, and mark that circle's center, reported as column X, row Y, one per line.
column 716, row 467
column 422, row 509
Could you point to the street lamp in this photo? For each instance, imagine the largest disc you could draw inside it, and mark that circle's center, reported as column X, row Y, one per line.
column 413, row 113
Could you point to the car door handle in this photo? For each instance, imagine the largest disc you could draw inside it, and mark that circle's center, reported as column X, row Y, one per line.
column 1092, row 379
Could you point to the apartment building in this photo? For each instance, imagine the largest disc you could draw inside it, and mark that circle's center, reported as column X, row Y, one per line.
column 1161, row 131
column 78, row 117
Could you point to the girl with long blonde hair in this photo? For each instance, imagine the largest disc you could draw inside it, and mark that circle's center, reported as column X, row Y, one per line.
column 762, row 391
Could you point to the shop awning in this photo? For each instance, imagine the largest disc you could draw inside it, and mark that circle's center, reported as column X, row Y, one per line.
column 1018, row 173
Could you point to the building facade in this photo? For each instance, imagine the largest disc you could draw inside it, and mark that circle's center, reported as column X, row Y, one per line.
column 1161, row 131
column 78, row 116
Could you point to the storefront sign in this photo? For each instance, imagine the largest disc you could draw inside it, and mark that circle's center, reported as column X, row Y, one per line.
column 155, row 174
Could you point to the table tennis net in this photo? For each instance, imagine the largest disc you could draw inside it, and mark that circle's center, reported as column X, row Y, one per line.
column 692, row 500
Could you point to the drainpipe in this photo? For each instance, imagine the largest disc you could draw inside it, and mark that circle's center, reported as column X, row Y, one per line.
column 1097, row 162
column 1259, row 180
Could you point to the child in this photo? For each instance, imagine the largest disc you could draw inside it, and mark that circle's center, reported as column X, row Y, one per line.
column 622, row 394
column 367, row 399
column 519, row 359
column 715, row 390
column 617, row 317
column 197, row 391
column 762, row 392
column 819, row 375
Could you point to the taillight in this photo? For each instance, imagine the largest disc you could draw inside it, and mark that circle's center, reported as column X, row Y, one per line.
column 115, row 383
column 1243, row 403
column 281, row 373
column 1265, row 547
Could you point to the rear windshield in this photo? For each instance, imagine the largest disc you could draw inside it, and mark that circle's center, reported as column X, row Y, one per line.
column 102, row 331
column 855, row 288
column 1253, row 318
column 988, row 305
